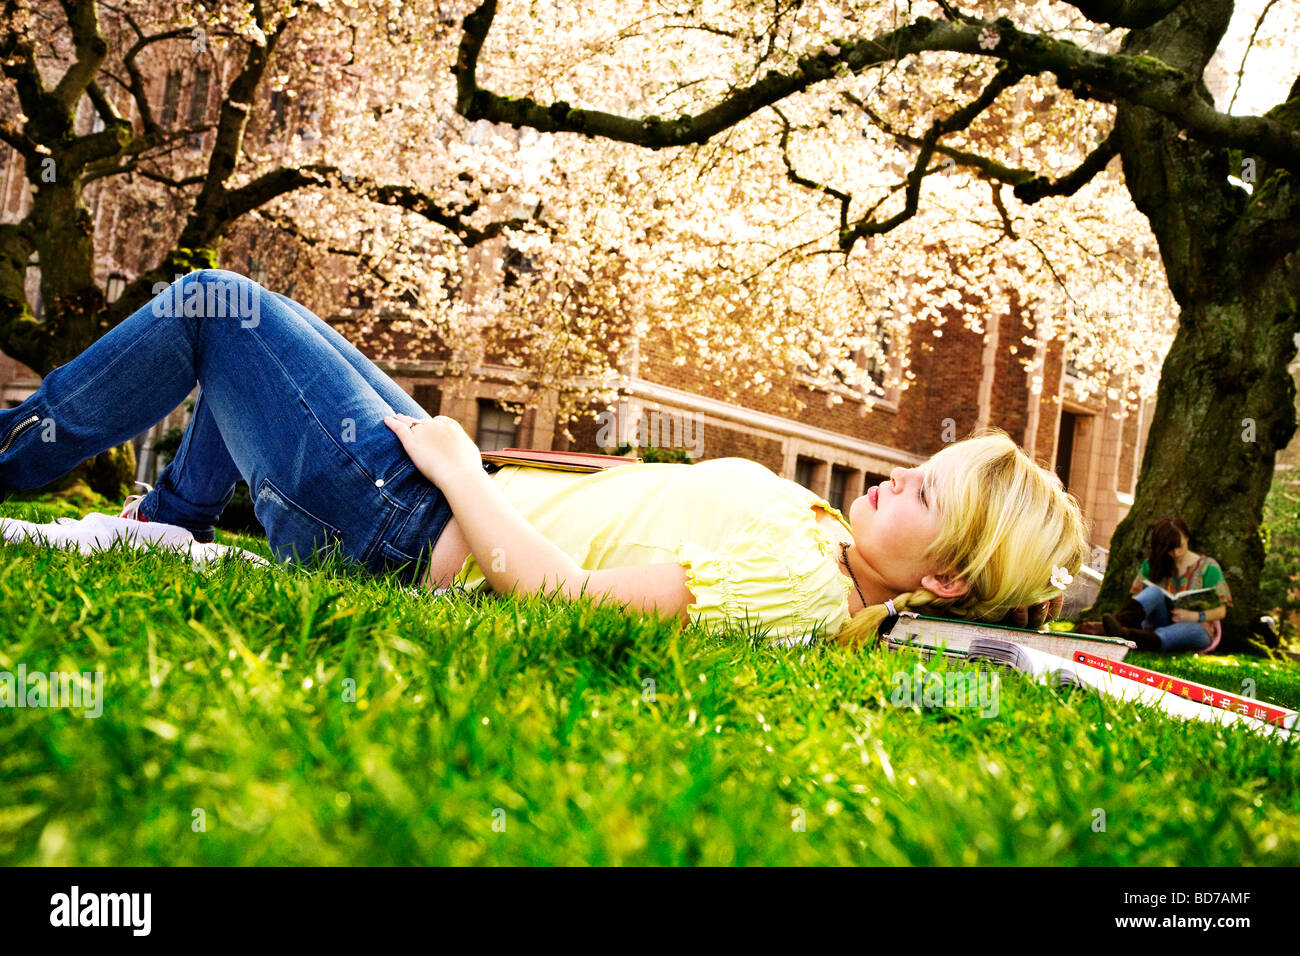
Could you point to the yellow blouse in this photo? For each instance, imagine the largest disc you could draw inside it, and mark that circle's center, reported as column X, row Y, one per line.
column 748, row 539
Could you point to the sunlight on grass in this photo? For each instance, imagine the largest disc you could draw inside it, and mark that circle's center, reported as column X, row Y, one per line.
column 319, row 716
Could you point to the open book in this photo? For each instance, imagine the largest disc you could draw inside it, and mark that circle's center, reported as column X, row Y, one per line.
column 1060, row 671
column 1196, row 599
column 557, row 460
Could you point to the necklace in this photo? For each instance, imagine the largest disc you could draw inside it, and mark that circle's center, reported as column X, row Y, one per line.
column 844, row 550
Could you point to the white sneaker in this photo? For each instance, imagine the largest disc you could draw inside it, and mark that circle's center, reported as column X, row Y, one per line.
column 131, row 507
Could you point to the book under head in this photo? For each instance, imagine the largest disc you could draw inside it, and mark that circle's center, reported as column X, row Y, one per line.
column 953, row 634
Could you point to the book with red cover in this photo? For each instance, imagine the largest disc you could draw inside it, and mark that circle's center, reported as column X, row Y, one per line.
column 558, row 460
column 1202, row 694
column 1109, row 681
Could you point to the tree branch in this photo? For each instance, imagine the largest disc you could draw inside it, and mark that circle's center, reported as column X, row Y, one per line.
column 990, row 169
column 952, row 13
column 844, row 198
column 16, row 138
column 135, row 148
column 1005, row 77
column 286, row 179
column 137, row 81
column 996, row 187
column 1140, row 80
column 1035, row 189
column 19, row 60
column 107, row 144
column 103, row 105
column 165, row 180
column 1241, row 69
column 91, row 49
column 233, row 121
column 285, row 224
column 1028, row 186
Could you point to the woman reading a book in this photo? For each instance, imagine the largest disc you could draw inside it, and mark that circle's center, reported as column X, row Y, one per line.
column 337, row 454
column 1178, row 596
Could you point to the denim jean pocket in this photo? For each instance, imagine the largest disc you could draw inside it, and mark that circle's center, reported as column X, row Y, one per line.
column 388, row 558
column 294, row 532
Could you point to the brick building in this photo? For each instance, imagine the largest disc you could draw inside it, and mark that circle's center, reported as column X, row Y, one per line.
column 836, row 445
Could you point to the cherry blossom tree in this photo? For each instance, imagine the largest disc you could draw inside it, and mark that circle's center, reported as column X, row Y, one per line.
column 1026, row 103
column 763, row 188
column 728, row 249
column 180, row 182
column 100, row 51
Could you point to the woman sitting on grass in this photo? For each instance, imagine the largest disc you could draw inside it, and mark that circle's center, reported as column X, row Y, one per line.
column 1149, row 619
column 337, row 454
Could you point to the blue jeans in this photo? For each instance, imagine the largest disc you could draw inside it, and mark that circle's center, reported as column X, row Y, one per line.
column 1177, row 636
column 285, row 403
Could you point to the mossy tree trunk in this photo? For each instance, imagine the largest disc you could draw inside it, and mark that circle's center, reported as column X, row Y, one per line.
column 1225, row 404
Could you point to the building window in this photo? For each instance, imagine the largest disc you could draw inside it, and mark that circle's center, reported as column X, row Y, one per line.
column 309, row 132
column 839, row 486
column 199, row 105
column 171, row 98
column 428, row 397
column 199, row 96
column 1065, row 447
column 1072, row 366
column 116, row 286
column 496, row 427
column 870, row 480
column 360, row 299
column 279, row 110
column 878, row 368
column 804, row 469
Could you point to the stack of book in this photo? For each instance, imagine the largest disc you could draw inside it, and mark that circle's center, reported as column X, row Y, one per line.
column 933, row 635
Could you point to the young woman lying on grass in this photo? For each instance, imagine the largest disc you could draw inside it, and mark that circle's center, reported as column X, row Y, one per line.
column 335, row 453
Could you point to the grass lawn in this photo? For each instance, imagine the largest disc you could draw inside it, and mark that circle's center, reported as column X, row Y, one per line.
column 255, row 716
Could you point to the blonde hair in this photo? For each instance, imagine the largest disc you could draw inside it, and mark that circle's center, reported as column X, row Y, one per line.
column 1006, row 524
